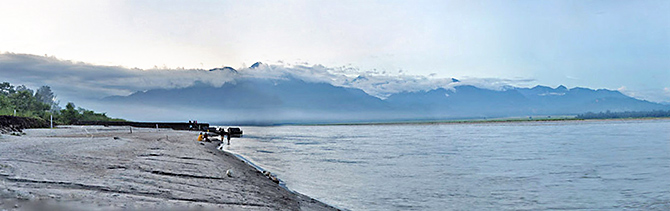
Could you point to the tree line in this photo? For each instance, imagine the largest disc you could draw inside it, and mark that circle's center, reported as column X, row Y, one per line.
column 22, row 101
column 625, row 114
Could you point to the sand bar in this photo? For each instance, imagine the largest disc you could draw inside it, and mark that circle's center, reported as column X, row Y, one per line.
column 109, row 168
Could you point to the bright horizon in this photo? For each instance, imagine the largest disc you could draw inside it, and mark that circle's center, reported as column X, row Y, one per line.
column 618, row 45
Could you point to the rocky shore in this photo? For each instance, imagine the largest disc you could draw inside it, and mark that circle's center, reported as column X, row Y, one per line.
column 110, row 168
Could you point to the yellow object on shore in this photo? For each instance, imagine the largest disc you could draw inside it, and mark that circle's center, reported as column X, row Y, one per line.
column 200, row 137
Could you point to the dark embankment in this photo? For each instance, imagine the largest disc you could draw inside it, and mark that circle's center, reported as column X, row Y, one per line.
column 17, row 124
column 171, row 125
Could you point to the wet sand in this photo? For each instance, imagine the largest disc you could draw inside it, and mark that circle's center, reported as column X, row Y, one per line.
column 109, row 168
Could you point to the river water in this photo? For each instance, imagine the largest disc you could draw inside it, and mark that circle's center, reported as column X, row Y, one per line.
column 571, row 165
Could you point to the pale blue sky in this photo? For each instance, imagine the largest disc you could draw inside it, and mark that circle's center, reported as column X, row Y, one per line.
column 621, row 45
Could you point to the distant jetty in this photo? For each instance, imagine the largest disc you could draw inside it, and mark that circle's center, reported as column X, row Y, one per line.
column 17, row 124
column 171, row 125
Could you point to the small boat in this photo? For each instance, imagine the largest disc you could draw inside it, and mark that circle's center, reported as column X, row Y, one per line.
column 235, row 132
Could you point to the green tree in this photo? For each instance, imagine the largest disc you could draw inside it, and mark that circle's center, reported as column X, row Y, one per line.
column 6, row 107
column 46, row 96
column 69, row 115
column 24, row 102
column 88, row 115
column 42, row 104
column 6, row 89
column 23, row 88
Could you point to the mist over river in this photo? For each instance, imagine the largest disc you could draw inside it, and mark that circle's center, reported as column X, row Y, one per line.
column 590, row 165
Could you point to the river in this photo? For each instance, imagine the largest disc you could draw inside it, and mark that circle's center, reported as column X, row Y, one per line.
column 566, row 165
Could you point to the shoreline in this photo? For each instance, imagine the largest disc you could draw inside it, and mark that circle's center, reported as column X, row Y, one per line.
column 108, row 168
column 261, row 170
column 476, row 121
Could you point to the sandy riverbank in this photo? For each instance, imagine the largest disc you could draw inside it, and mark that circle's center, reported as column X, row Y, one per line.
column 108, row 168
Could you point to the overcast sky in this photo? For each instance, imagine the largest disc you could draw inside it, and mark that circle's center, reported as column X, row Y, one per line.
column 621, row 45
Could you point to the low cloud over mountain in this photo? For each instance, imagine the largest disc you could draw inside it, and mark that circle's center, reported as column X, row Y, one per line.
column 291, row 100
column 76, row 80
column 279, row 93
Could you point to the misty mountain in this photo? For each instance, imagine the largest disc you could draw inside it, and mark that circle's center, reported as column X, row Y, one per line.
column 560, row 100
column 470, row 101
column 260, row 94
column 463, row 101
column 276, row 99
column 295, row 100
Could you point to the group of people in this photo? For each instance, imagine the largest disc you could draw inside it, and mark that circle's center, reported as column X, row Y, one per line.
column 193, row 124
column 205, row 137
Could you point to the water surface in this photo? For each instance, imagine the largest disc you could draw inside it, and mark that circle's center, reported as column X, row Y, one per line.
column 591, row 165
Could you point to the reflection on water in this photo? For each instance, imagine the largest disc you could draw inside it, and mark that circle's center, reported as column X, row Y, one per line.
column 592, row 165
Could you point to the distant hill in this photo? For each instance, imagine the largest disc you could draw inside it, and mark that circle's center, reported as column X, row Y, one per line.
column 294, row 100
column 470, row 101
column 278, row 100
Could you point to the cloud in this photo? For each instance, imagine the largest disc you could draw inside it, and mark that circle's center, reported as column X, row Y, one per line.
column 622, row 89
column 376, row 83
column 85, row 83
column 74, row 81
column 81, row 80
column 654, row 95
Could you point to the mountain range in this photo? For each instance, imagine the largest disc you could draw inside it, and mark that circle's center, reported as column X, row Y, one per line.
column 292, row 100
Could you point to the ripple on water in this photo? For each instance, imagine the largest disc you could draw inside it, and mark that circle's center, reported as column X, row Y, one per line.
column 342, row 161
column 504, row 166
